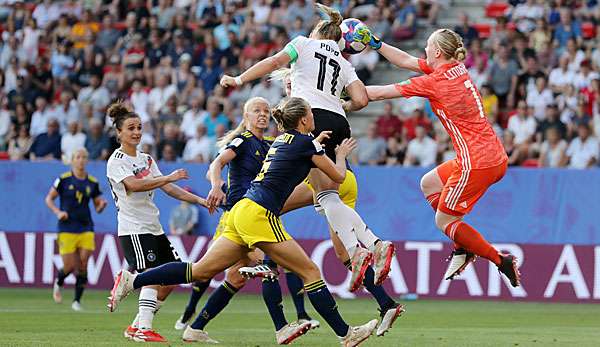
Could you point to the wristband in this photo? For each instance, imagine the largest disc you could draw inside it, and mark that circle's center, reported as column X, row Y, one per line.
column 238, row 80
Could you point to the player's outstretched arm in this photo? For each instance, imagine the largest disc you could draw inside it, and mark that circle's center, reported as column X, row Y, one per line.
column 358, row 96
column 383, row 92
column 400, row 58
column 178, row 193
column 133, row 184
column 258, row 70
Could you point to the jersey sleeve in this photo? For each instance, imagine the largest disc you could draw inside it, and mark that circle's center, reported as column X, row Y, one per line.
column 309, row 146
column 154, row 170
column 350, row 75
column 237, row 145
column 117, row 170
column 294, row 47
column 58, row 184
column 424, row 67
column 417, row 86
column 96, row 192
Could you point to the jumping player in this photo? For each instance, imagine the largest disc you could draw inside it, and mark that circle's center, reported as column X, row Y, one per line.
column 75, row 226
column 133, row 177
column 319, row 73
column 254, row 222
column 453, row 188
column 244, row 150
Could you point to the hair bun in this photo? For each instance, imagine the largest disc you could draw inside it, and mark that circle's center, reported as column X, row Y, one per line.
column 117, row 110
column 460, row 54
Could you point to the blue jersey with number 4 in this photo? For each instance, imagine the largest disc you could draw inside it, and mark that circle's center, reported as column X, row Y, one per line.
column 75, row 195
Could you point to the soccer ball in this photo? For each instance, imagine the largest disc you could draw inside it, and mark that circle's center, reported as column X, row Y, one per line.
column 347, row 45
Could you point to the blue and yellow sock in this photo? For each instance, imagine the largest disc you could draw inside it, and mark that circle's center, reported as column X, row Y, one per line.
column 198, row 289
column 323, row 302
column 165, row 275
column 384, row 301
column 215, row 304
column 271, row 292
column 296, row 288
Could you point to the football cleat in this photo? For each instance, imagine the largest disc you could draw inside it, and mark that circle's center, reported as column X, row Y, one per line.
column 195, row 335
column 122, row 287
column 147, row 336
column 459, row 260
column 313, row 323
column 508, row 266
column 388, row 317
column 180, row 324
column 261, row 270
column 56, row 292
column 360, row 262
column 130, row 332
column 292, row 331
column 383, row 253
column 76, row 306
column 356, row 335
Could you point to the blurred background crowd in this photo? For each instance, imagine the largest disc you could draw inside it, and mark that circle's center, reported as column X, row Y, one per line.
column 62, row 63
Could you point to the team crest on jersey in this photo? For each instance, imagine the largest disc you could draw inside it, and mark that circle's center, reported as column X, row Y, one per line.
column 151, row 257
column 143, row 172
column 71, row 187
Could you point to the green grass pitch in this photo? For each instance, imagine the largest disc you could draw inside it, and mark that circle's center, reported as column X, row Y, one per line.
column 28, row 317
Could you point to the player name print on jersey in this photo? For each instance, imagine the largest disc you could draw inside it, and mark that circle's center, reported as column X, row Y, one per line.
column 455, row 72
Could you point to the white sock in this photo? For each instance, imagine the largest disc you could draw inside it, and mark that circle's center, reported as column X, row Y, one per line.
column 366, row 237
column 339, row 217
column 136, row 321
column 147, row 306
column 159, row 304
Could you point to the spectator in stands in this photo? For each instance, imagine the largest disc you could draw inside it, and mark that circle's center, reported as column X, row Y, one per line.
column 210, row 73
column 169, row 154
column 83, row 28
column 432, row 8
column 527, row 80
column 539, row 98
column 160, row 94
column 72, row 140
column 97, row 142
column 422, row 150
column 67, row 109
column 11, row 49
column 46, row 12
column 522, row 125
column 41, row 78
column 96, row 95
column 561, row 76
column 379, row 24
column 371, row 148
column 585, row 77
column 512, row 150
column 214, row 117
column 525, row 15
column 199, row 148
column 221, row 31
column 465, row 29
column 567, row 103
column 19, row 145
column 46, row 146
column 297, row 29
column 39, row 119
column 170, row 137
column 404, row 26
column 417, row 119
column 583, row 150
column 267, row 90
column 567, row 29
column 502, row 73
column 139, row 99
column 552, row 153
column 489, row 101
column 395, row 150
column 108, row 36
column 169, row 113
column 5, row 122
column 183, row 217
column 388, row 124
column 193, row 117
column 478, row 73
column 551, row 120
column 364, row 63
column 541, row 37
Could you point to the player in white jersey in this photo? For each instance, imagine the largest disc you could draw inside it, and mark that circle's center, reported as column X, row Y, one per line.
column 133, row 176
column 319, row 73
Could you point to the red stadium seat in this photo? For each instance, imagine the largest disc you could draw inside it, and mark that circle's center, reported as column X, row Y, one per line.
column 588, row 30
column 530, row 163
column 4, row 156
column 483, row 29
column 496, row 9
column 120, row 25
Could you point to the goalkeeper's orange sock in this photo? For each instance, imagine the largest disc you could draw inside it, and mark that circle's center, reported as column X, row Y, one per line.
column 471, row 240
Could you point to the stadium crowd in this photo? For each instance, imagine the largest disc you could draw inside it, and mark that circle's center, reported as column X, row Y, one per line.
column 63, row 62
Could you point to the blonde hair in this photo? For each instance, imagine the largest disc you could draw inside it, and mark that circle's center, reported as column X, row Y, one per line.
column 280, row 74
column 450, row 43
column 68, row 160
column 329, row 29
column 288, row 113
column 242, row 126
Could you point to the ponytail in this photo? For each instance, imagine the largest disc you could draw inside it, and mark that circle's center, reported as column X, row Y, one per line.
column 328, row 29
